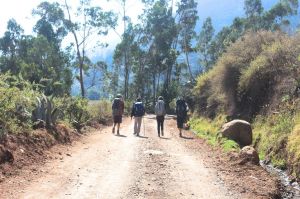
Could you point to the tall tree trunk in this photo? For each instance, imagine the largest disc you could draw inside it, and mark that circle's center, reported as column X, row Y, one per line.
column 188, row 64
column 158, row 82
column 125, row 54
column 126, row 81
column 187, row 59
column 141, row 83
column 81, row 80
column 154, row 88
column 169, row 75
column 79, row 57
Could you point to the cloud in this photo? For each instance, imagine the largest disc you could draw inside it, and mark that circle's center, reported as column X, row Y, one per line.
column 221, row 11
column 20, row 11
column 133, row 9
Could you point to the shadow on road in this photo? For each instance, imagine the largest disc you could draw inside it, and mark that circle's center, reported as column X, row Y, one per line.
column 122, row 136
column 164, row 138
column 187, row 138
column 143, row 137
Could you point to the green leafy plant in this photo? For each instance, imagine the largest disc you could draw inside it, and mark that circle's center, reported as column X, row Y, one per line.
column 75, row 110
column 45, row 111
column 16, row 104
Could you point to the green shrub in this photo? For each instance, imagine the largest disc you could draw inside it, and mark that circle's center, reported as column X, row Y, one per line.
column 75, row 109
column 19, row 100
column 209, row 99
column 293, row 147
column 271, row 134
column 294, row 143
column 229, row 145
column 16, row 105
column 204, row 129
column 100, row 110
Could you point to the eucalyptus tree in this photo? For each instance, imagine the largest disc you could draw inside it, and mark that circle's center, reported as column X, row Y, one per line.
column 136, row 61
column 51, row 22
column 253, row 10
column 9, row 46
column 224, row 38
column 187, row 19
column 122, row 57
column 273, row 19
column 279, row 14
column 256, row 19
column 90, row 21
column 125, row 46
column 57, row 79
column 35, row 59
column 98, row 72
column 161, row 32
column 45, row 66
column 204, row 44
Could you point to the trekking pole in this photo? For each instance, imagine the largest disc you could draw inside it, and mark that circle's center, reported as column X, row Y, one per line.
column 144, row 126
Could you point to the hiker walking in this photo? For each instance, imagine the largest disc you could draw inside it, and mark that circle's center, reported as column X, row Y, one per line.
column 160, row 112
column 181, row 112
column 137, row 111
column 117, row 111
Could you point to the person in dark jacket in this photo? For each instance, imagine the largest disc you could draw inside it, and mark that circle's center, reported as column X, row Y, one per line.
column 181, row 113
column 137, row 111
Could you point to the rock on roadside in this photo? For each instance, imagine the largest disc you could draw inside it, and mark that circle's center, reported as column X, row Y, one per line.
column 248, row 154
column 239, row 131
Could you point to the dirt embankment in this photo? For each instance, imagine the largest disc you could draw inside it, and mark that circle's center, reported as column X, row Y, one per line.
column 102, row 165
column 22, row 150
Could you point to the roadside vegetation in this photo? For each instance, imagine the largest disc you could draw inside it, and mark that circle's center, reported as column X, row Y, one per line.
column 209, row 130
column 26, row 108
column 257, row 79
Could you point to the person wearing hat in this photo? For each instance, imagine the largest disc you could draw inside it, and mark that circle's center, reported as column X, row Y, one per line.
column 137, row 111
column 117, row 111
column 160, row 112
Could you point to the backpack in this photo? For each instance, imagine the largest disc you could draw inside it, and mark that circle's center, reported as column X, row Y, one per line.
column 139, row 109
column 116, row 107
column 181, row 108
column 160, row 108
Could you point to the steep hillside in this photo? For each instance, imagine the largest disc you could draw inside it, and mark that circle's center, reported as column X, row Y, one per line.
column 258, row 79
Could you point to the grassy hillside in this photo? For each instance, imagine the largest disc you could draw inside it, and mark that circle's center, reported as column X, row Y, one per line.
column 258, row 79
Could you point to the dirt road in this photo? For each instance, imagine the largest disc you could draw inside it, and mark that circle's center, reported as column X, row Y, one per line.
column 103, row 165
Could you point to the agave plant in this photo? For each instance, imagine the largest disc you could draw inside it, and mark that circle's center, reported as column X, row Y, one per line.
column 45, row 112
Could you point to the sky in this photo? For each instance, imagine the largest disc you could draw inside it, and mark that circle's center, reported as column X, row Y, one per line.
column 221, row 11
column 21, row 11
